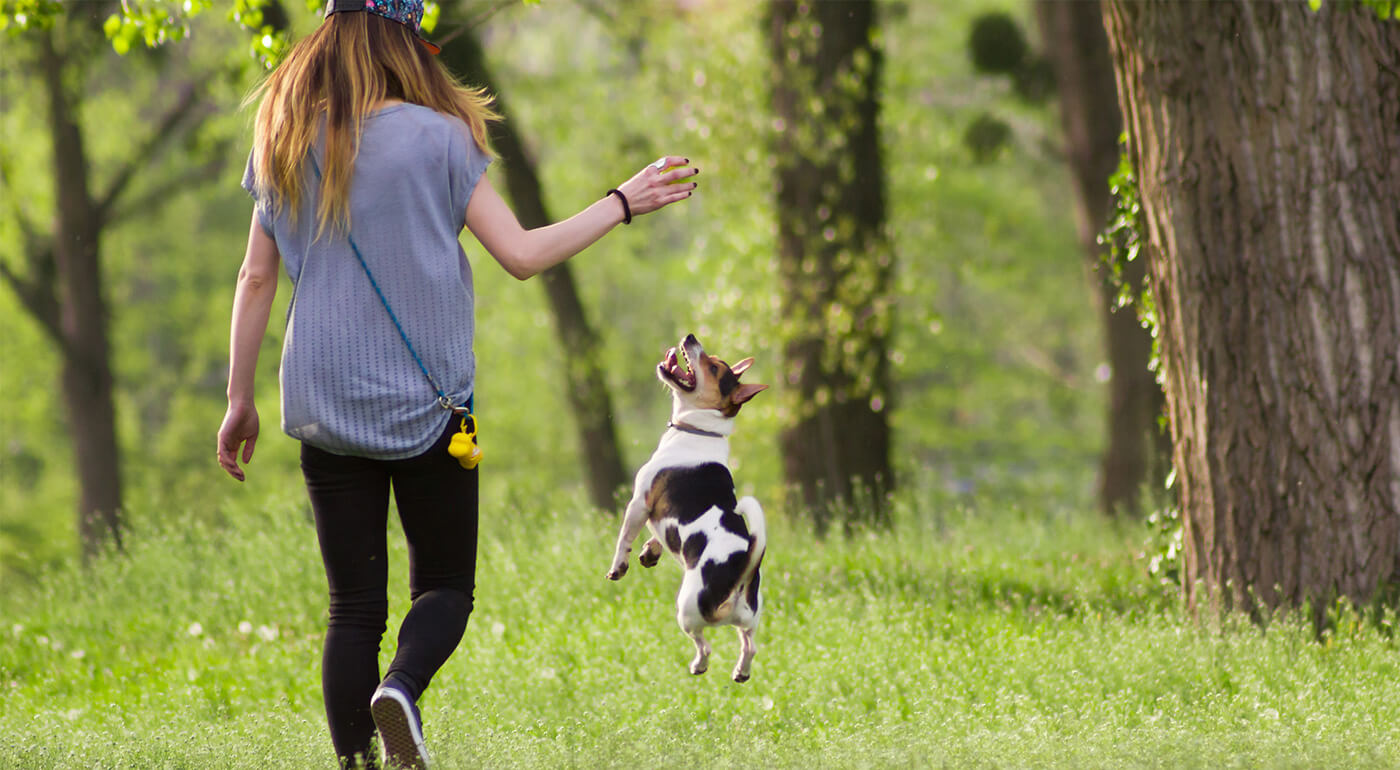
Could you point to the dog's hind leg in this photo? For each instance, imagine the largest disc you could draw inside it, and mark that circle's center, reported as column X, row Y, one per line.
column 632, row 523
column 688, row 616
column 747, row 649
column 701, row 663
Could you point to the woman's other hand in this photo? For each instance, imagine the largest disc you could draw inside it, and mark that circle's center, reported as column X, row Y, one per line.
column 240, row 427
column 667, row 180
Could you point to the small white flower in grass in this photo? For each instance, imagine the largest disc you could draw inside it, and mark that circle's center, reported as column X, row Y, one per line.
column 547, row 673
column 767, row 703
column 42, row 641
column 267, row 633
column 16, row 629
column 245, row 628
column 498, row 629
column 195, row 629
column 72, row 714
column 56, row 645
column 192, row 674
column 77, row 655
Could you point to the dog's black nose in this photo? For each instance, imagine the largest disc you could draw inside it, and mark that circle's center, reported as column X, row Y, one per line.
column 690, row 340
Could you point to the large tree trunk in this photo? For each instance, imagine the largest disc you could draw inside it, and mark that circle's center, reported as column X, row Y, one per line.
column 585, row 383
column 82, row 316
column 834, row 259
column 1137, row 451
column 1266, row 144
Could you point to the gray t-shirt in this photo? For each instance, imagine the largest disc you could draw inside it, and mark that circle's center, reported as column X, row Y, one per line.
column 349, row 384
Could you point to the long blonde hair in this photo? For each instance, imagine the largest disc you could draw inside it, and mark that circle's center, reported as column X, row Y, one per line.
column 350, row 63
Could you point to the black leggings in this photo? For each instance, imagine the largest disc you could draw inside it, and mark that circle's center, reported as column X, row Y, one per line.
column 437, row 501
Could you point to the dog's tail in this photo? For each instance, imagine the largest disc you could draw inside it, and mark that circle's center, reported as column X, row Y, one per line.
column 752, row 512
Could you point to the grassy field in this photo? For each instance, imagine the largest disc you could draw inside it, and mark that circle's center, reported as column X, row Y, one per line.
column 977, row 634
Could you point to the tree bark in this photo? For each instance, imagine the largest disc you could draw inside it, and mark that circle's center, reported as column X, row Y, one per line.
column 1264, row 136
column 585, row 383
column 82, row 316
column 62, row 284
column 1137, row 451
column 834, row 259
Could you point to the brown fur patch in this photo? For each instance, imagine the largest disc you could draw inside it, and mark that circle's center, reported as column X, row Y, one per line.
column 658, row 502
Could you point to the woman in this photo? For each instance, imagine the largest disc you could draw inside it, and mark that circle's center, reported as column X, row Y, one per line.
column 367, row 161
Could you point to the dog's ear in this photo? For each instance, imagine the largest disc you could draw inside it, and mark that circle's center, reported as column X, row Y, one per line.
column 739, row 368
column 745, row 392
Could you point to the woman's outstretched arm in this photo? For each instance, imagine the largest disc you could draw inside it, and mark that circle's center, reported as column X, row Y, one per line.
column 524, row 253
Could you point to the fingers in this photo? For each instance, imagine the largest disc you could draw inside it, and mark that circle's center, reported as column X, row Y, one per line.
column 666, row 180
column 666, row 161
column 677, row 195
column 677, row 174
column 227, row 462
column 228, row 453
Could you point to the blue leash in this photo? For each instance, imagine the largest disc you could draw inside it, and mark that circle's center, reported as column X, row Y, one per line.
column 443, row 400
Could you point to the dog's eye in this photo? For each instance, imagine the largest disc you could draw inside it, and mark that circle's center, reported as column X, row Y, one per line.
column 714, row 369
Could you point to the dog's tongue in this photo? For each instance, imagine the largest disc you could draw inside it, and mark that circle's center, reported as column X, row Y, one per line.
column 673, row 365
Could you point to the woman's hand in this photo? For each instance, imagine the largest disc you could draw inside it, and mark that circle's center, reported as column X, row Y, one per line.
column 240, row 428
column 524, row 253
column 654, row 186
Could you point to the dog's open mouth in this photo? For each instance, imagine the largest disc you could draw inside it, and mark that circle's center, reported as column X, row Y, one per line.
column 672, row 368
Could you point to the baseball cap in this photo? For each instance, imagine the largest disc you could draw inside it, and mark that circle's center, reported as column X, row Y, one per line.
column 406, row 12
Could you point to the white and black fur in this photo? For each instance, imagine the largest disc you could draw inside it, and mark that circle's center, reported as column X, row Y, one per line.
column 685, row 496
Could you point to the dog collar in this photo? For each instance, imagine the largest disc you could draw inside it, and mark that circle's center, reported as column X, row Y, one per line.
column 680, row 426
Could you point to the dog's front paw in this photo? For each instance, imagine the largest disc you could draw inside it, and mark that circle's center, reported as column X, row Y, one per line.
column 617, row 571
column 741, row 676
column 649, row 558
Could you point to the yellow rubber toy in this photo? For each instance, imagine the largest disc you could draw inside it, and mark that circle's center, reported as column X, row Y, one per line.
column 463, row 445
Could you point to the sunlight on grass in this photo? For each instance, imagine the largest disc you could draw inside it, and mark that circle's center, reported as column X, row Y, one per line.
column 971, row 635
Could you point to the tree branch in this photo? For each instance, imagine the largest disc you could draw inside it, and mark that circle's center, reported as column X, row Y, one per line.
column 450, row 33
column 183, row 181
column 32, row 241
column 39, row 299
column 36, row 292
column 169, row 126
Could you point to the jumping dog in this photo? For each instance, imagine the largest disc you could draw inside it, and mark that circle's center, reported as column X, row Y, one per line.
column 685, row 496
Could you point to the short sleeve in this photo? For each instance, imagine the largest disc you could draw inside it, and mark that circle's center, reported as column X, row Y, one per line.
column 466, row 163
column 260, row 202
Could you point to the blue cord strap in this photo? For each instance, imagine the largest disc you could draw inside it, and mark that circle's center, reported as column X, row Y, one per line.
column 443, row 400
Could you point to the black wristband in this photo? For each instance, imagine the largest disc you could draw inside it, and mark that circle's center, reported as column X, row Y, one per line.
column 626, row 210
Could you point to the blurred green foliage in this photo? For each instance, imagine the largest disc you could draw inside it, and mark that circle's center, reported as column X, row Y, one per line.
column 995, row 344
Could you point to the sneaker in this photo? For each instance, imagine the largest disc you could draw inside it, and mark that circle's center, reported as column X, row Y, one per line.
column 400, row 726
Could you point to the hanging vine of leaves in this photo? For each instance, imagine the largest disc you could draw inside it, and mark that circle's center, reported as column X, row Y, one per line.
column 1124, row 240
column 1122, row 237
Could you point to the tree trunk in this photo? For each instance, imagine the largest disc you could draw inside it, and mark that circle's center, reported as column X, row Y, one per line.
column 584, row 379
column 1266, row 144
column 1137, row 451
column 834, row 259
column 82, row 317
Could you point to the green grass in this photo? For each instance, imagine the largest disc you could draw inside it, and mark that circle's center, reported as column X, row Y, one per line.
column 977, row 635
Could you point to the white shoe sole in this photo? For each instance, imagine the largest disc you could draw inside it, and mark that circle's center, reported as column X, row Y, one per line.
column 398, row 729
